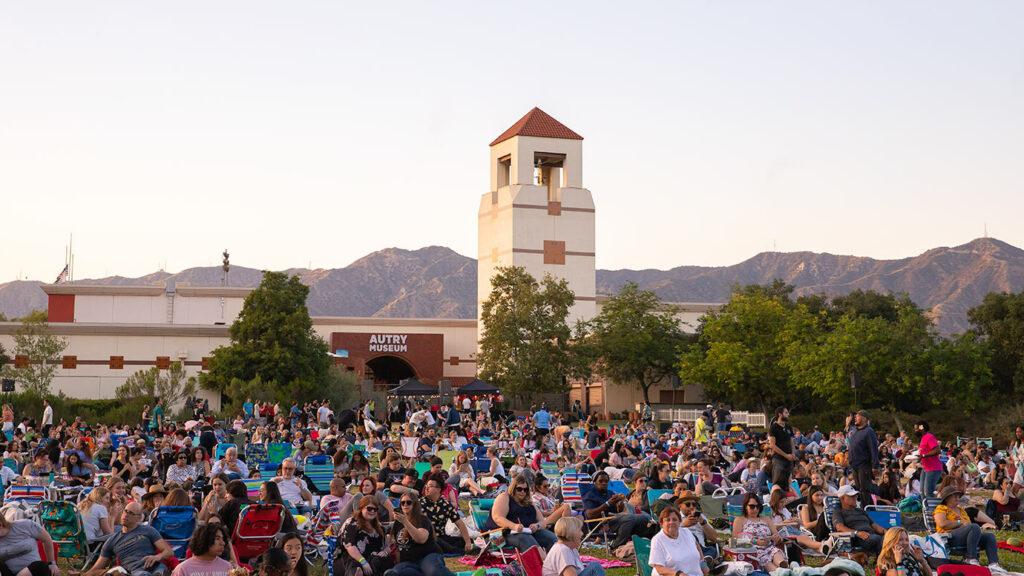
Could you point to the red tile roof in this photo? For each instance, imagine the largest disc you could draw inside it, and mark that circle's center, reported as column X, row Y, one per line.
column 538, row 123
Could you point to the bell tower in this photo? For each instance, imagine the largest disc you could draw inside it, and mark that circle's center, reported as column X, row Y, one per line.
column 538, row 215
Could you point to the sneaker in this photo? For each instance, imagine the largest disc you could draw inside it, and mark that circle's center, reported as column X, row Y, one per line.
column 828, row 545
column 995, row 567
column 974, row 562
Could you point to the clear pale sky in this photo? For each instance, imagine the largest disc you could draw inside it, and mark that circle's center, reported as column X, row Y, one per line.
column 298, row 133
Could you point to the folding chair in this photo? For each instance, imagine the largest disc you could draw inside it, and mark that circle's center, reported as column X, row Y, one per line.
column 28, row 498
column 176, row 524
column 252, row 487
column 531, row 561
column 885, row 516
column 985, row 441
column 278, row 451
column 929, row 505
column 422, row 468
column 222, row 449
column 410, row 447
column 315, row 544
column 63, row 522
column 320, row 476
column 257, row 526
column 255, row 455
column 642, row 549
column 268, row 470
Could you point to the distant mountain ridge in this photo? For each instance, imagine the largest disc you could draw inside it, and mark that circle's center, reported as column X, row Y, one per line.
column 436, row 282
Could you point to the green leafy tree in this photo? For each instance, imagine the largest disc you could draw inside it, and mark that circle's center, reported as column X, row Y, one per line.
column 4, row 358
column 44, row 352
column 636, row 338
column 33, row 316
column 527, row 345
column 740, row 349
column 272, row 338
column 961, row 372
column 171, row 386
column 999, row 320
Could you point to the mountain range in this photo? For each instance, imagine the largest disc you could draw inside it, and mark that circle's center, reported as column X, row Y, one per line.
column 436, row 282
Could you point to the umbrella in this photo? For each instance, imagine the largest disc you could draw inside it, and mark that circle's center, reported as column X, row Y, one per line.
column 190, row 424
column 413, row 387
column 477, row 387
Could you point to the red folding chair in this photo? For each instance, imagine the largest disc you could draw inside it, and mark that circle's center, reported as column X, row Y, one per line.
column 531, row 561
column 257, row 526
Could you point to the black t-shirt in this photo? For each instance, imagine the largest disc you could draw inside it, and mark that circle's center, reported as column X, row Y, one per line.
column 387, row 476
column 783, row 435
column 722, row 415
column 601, row 460
column 408, row 549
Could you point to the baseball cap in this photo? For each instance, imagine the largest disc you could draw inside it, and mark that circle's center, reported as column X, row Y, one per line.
column 863, row 413
column 847, row 491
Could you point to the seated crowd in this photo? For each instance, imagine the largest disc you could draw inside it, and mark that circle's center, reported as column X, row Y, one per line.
column 395, row 500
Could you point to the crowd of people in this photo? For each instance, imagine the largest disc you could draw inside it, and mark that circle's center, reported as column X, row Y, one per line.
column 396, row 519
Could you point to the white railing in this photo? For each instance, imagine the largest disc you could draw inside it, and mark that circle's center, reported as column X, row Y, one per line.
column 691, row 415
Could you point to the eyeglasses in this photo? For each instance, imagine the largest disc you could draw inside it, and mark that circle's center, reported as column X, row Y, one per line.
column 520, row 489
column 370, row 508
column 406, row 503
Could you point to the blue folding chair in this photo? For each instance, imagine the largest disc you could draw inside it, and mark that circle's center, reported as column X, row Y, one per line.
column 222, row 449
column 176, row 524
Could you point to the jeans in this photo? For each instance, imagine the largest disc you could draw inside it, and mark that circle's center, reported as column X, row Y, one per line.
column 624, row 526
column 522, row 542
column 431, row 565
column 872, row 544
column 929, row 480
column 862, row 481
column 592, row 569
column 971, row 536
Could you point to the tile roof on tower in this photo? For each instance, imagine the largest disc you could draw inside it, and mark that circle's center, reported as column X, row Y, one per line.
column 538, row 123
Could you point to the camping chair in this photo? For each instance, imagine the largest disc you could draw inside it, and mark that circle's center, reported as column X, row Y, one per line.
column 278, row 451
column 222, row 449
column 929, row 505
column 315, row 543
column 985, row 441
column 252, row 487
column 422, row 468
column 642, row 549
column 268, row 470
column 175, row 524
column 410, row 447
column 255, row 455
column 885, row 516
column 257, row 526
column 320, row 476
column 28, row 498
column 531, row 561
column 960, row 440
column 63, row 522
column 116, row 440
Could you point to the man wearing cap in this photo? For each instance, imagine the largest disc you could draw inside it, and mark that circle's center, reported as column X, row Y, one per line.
column 863, row 446
column 696, row 523
column 850, row 518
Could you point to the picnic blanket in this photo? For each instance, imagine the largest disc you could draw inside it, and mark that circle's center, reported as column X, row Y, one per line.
column 1006, row 546
column 492, row 561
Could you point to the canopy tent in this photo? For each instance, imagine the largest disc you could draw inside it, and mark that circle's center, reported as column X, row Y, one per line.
column 413, row 387
column 476, row 388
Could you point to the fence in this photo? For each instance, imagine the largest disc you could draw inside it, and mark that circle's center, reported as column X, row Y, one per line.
column 691, row 415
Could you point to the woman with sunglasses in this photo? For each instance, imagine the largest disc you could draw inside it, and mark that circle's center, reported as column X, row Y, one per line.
column 418, row 551
column 761, row 531
column 361, row 543
column 368, row 487
column 551, row 510
column 513, row 511
column 180, row 472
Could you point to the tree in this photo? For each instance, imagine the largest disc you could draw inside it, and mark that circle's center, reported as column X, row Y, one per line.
column 171, row 386
column 272, row 339
column 43, row 351
column 33, row 316
column 999, row 320
column 739, row 350
column 4, row 358
column 527, row 345
column 636, row 338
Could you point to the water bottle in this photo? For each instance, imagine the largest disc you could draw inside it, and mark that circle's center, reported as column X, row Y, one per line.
column 50, row 479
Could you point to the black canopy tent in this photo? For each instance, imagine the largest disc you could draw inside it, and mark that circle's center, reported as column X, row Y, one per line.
column 413, row 387
column 477, row 387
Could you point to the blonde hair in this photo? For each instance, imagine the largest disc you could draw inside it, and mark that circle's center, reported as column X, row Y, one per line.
column 95, row 497
column 886, row 558
column 569, row 528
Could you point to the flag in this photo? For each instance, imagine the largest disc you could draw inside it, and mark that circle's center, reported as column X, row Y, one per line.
column 62, row 276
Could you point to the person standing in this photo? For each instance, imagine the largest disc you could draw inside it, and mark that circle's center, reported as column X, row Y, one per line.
column 47, row 417
column 158, row 418
column 780, row 444
column 863, row 450
column 931, row 467
column 542, row 422
column 723, row 418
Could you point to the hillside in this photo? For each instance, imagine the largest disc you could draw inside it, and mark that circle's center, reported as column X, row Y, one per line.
column 436, row 282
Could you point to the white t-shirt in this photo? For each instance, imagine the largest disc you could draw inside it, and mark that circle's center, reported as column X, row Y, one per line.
column 322, row 414
column 290, row 492
column 48, row 416
column 678, row 554
column 91, row 520
column 467, row 403
column 561, row 557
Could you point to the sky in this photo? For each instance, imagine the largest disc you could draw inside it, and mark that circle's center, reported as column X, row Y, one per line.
column 302, row 134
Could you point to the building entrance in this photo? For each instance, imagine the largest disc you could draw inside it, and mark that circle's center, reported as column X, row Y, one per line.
column 388, row 369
